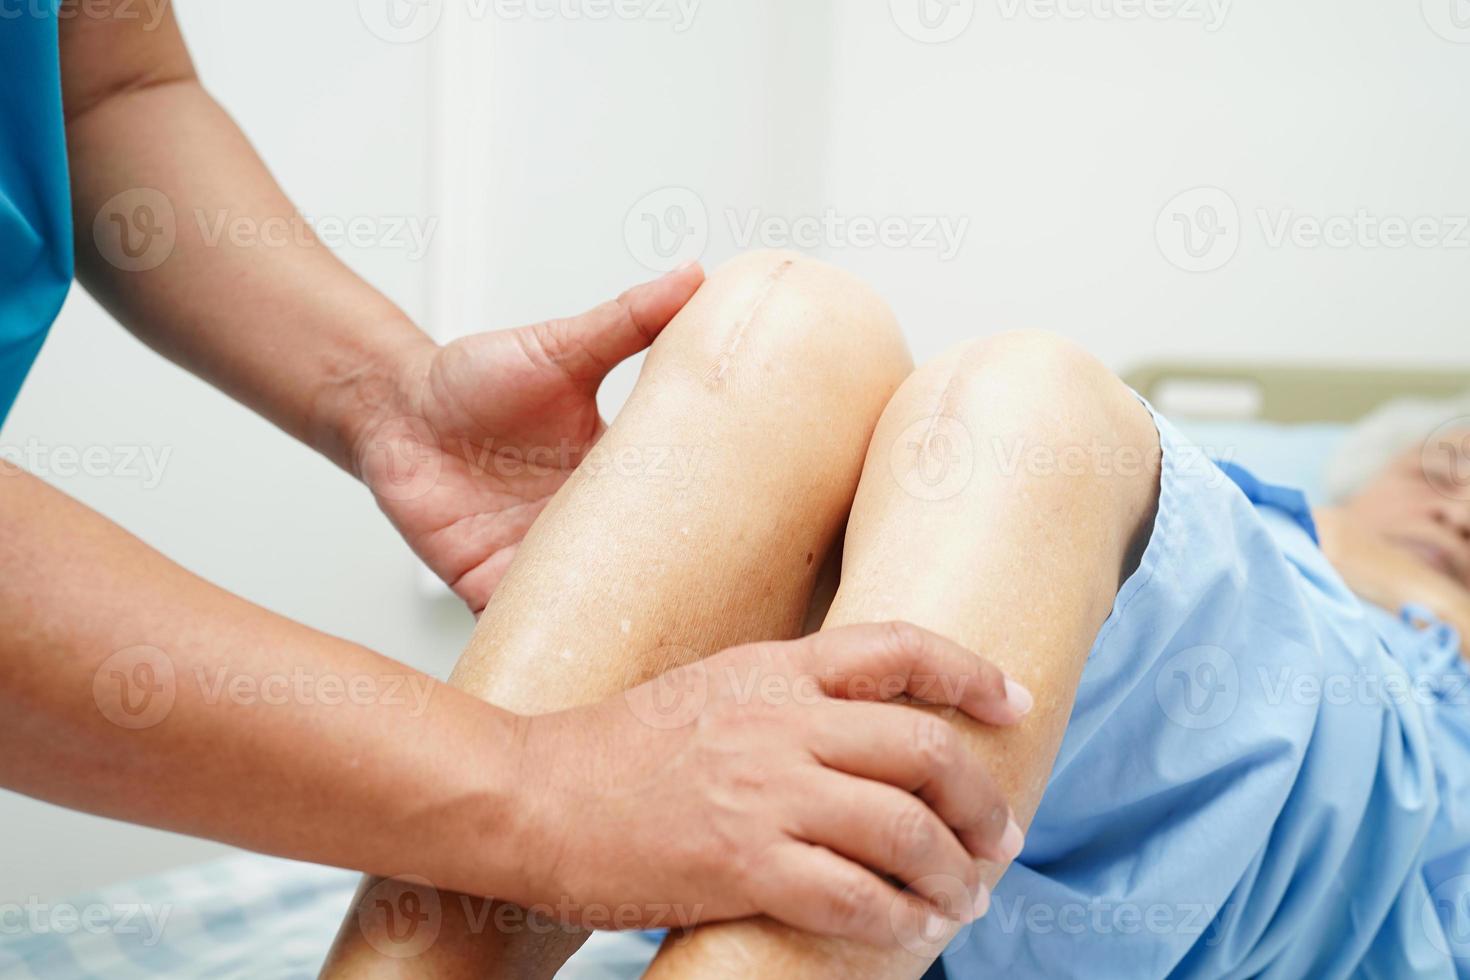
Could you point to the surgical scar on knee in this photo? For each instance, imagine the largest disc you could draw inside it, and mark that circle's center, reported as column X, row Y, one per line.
column 715, row 376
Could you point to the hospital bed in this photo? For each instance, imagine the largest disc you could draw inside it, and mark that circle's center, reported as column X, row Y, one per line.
column 1283, row 423
column 257, row 917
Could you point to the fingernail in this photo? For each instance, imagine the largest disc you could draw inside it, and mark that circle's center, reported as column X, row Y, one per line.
column 1012, row 841
column 982, row 902
column 1019, row 698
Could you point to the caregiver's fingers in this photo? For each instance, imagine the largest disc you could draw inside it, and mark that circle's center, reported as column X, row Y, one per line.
column 883, row 661
column 818, row 891
column 924, row 755
column 888, row 831
column 587, row 347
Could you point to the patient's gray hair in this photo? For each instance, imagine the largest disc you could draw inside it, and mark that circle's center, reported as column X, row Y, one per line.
column 1383, row 435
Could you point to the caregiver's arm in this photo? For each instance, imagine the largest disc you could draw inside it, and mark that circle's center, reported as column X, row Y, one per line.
column 273, row 318
column 132, row 689
column 462, row 444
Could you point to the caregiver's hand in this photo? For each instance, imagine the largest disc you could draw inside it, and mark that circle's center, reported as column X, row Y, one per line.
column 462, row 445
column 769, row 780
column 479, row 434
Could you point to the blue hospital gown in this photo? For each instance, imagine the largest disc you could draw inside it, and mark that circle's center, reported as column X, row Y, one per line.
column 1261, row 776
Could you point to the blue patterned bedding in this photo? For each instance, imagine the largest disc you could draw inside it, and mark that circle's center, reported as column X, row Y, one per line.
column 246, row 917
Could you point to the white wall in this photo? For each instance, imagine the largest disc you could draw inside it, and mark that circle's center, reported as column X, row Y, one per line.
column 1056, row 142
column 1058, row 136
column 1063, row 139
column 590, row 117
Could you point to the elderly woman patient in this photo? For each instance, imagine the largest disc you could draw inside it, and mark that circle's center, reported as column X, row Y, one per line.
column 1249, row 752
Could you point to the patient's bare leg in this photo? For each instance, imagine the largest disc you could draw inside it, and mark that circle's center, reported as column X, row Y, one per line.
column 1008, row 489
column 700, row 524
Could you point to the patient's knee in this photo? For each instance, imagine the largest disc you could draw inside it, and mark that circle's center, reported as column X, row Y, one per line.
column 1035, row 376
column 780, row 322
column 1033, row 383
column 1028, row 404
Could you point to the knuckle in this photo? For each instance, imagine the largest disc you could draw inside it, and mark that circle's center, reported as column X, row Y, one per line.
column 934, row 743
column 912, row 833
column 552, row 336
column 991, row 680
column 748, row 779
column 847, row 904
column 623, row 316
column 970, row 876
column 742, row 865
column 993, row 815
column 905, row 640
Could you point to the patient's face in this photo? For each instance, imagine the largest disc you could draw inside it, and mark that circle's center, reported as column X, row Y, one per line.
column 1421, row 501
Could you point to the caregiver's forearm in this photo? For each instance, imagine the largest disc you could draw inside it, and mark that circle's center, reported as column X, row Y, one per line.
column 247, row 297
column 132, row 689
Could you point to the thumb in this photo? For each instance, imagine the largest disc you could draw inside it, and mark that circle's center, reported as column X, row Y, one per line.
column 587, row 347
